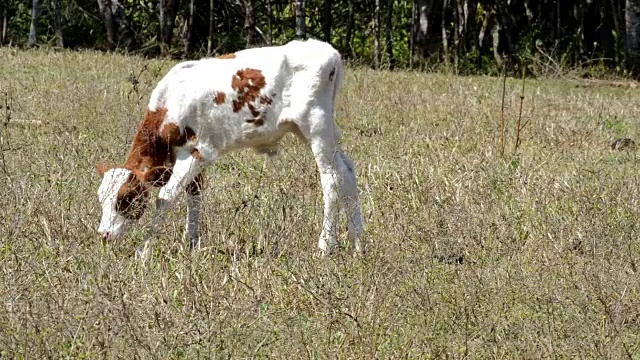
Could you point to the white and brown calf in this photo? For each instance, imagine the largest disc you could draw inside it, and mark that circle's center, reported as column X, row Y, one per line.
column 203, row 109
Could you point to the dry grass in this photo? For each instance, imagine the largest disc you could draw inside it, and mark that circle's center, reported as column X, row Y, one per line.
column 534, row 254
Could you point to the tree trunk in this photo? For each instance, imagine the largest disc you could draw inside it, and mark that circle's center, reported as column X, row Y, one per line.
column 376, row 36
column 445, row 41
column 615, row 15
column 3, row 12
column 619, row 14
column 168, row 12
column 57, row 22
column 412, row 33
column 458, row 25
column 559, row 19
column 269, row 16
column 470, row 26
column 212, row 28
column 528, row 11
column 327, row 20
column 249, row 23
column 632, row 43
column 506, row 26
column 107, row 17
column 363, row 45
column 578, row 13
column 349, row 30
column 495, row 34
column 422, row 32
column 486, row 22
column 35, row 13
column 301, row 27
column 189, row 28
column 389, row 37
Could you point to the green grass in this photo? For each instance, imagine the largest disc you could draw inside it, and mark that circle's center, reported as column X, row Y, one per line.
column 473, row 254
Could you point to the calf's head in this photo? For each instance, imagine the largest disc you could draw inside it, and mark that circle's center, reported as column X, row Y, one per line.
column 123, row 198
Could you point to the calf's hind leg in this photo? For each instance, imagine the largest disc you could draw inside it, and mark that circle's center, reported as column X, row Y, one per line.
column 352, row 208
column 336, row 177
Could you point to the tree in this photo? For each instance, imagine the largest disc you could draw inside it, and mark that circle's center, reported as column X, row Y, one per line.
column 35, row 13
column 188, row 24
column 249, row 23
column 57, row 21
column 327, row 20
column 632, row 22
column 301, row 26
column 349, row 31
column 269, row 17
column 4, row 5
column 445, row 40
column 495, row 35
column 465, row 33
column 376, row 35
column 109, row 23
column 168, row 12
column 422, row 31
column 389, row 37
column 492, row 33
column 212, row 28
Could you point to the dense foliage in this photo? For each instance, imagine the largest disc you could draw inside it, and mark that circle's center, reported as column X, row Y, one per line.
column 468, row 36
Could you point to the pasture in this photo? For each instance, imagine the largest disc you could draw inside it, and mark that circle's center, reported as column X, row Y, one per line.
column 474, row 254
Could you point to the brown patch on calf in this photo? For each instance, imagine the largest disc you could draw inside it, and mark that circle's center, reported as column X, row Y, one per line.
column 253, row 110
column 227, row 56
column 247, row 83
column 151, row 156
column 158, row 176
column 219, row 97
column 190, row 134
column 150, row 160
column 101, row 169
column 149, row 150
column 195, row 187
column 265, row 100
column 196, row 154
column 130, row 201
column 256, row 121
column 172, row 135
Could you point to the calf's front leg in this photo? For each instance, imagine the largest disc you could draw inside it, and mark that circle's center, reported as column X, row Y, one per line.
column 189, row 164
column 194, row 203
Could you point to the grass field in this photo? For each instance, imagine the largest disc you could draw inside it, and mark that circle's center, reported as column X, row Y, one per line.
column 530, row 254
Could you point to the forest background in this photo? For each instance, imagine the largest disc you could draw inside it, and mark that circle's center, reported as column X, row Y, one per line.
column 595, row 37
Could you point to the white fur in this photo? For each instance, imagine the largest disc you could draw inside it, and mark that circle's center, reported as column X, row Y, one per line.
column 302, row 80
column 112, row 223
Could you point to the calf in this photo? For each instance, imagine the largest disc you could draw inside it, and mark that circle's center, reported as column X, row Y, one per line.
column 203, row 109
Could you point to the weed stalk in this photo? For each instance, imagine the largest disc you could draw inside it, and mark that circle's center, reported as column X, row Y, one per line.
column 502, row 126
column 6, row 106
column 519, row 127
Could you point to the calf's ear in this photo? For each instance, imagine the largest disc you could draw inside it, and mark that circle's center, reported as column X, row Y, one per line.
column 101, row 169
